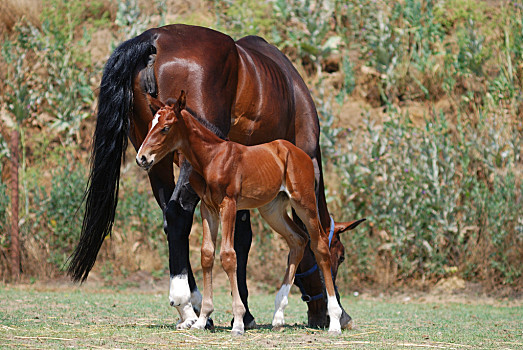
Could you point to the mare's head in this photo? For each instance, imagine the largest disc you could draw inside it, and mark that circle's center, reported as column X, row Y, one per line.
column 163, row 136
column 313, row 285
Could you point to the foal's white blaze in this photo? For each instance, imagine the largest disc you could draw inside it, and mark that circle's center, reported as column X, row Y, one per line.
column 155, row 121
column 279, row 305
column 153, row 124
column 334, row 311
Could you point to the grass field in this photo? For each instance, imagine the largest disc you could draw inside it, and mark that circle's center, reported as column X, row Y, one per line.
column 67, row 317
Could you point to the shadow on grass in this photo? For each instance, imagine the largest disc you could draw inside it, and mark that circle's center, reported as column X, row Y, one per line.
column 226, row 329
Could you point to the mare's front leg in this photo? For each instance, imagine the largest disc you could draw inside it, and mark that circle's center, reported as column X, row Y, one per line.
column 210, row 223
column 229, row 261
column 178, row 218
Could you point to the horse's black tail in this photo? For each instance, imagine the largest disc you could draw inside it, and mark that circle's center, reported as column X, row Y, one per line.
column 109, row 145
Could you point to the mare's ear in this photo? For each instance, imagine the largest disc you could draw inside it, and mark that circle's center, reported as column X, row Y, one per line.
column 180, row 103
column 154, row 104
column 340, row 227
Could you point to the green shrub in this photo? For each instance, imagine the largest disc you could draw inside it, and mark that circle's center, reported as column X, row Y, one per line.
column 57, row 212
column 138, row 211
column 429, row 197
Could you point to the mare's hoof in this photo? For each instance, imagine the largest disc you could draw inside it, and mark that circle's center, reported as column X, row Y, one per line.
column 209, row 325
column 251, row 325
column 346, row 321
column 349, row 325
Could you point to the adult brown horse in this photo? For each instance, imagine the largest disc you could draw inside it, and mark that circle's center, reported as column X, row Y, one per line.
column 247, row 90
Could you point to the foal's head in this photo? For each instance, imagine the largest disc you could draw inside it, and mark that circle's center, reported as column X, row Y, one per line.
column 163, row 136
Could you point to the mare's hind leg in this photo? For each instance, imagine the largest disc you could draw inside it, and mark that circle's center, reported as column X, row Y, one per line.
column 275, row 214
column 210, row 224
column 305, row 208
column 242, row 245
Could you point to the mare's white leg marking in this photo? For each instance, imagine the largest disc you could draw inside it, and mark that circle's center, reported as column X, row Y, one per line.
column 279, row 305
column 334, row 310
column 180, row 297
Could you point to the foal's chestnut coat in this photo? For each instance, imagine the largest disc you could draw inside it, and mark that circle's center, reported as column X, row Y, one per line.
column 228, row 177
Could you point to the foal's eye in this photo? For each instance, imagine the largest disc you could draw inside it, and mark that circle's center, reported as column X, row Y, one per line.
column 342, row 259
column 165, row 130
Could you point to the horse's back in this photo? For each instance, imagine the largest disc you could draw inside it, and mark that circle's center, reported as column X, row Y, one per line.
column 201, row 61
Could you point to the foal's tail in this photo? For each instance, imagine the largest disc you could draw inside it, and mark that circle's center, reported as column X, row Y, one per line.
column 108, row 149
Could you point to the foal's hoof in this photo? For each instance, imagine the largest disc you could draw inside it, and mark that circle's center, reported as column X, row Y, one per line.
column 277, row 328
column 186, row 324
column 335, row 332
column 200, row 324
column 237, row 332
column 248, row 322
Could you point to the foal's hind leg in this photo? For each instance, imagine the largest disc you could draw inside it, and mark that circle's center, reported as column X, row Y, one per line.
column 305, row 208
column 275, row 214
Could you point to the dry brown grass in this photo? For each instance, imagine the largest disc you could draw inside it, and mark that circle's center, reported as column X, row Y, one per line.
column 11, row 11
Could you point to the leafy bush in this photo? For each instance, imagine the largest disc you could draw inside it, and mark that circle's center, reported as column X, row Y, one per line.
column 434, row 200
column 57, row 213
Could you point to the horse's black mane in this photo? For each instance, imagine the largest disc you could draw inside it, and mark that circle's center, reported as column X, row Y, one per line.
column 213, row 128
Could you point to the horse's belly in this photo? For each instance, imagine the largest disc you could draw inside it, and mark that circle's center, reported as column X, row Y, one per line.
column 256, row 130
column 256, row 201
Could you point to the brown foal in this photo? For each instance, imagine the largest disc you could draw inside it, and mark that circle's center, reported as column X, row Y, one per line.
column 229, row 177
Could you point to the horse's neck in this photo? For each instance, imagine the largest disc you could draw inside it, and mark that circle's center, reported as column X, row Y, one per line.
column 200, row 144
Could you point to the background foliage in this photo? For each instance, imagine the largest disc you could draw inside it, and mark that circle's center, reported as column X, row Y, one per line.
column 421, row 110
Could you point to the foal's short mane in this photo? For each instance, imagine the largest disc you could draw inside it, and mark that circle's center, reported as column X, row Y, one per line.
column 213, row 128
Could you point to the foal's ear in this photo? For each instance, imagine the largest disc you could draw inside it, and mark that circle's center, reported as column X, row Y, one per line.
column 180, row 103
column 340, row 227
column 154, row 103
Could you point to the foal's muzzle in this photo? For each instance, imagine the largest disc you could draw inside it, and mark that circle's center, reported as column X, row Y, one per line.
column 144, row 163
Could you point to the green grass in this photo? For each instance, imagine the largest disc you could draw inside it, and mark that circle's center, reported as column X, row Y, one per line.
column 130, row 319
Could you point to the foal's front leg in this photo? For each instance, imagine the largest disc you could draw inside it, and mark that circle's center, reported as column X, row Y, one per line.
column 210, row 224
column 229, row 262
